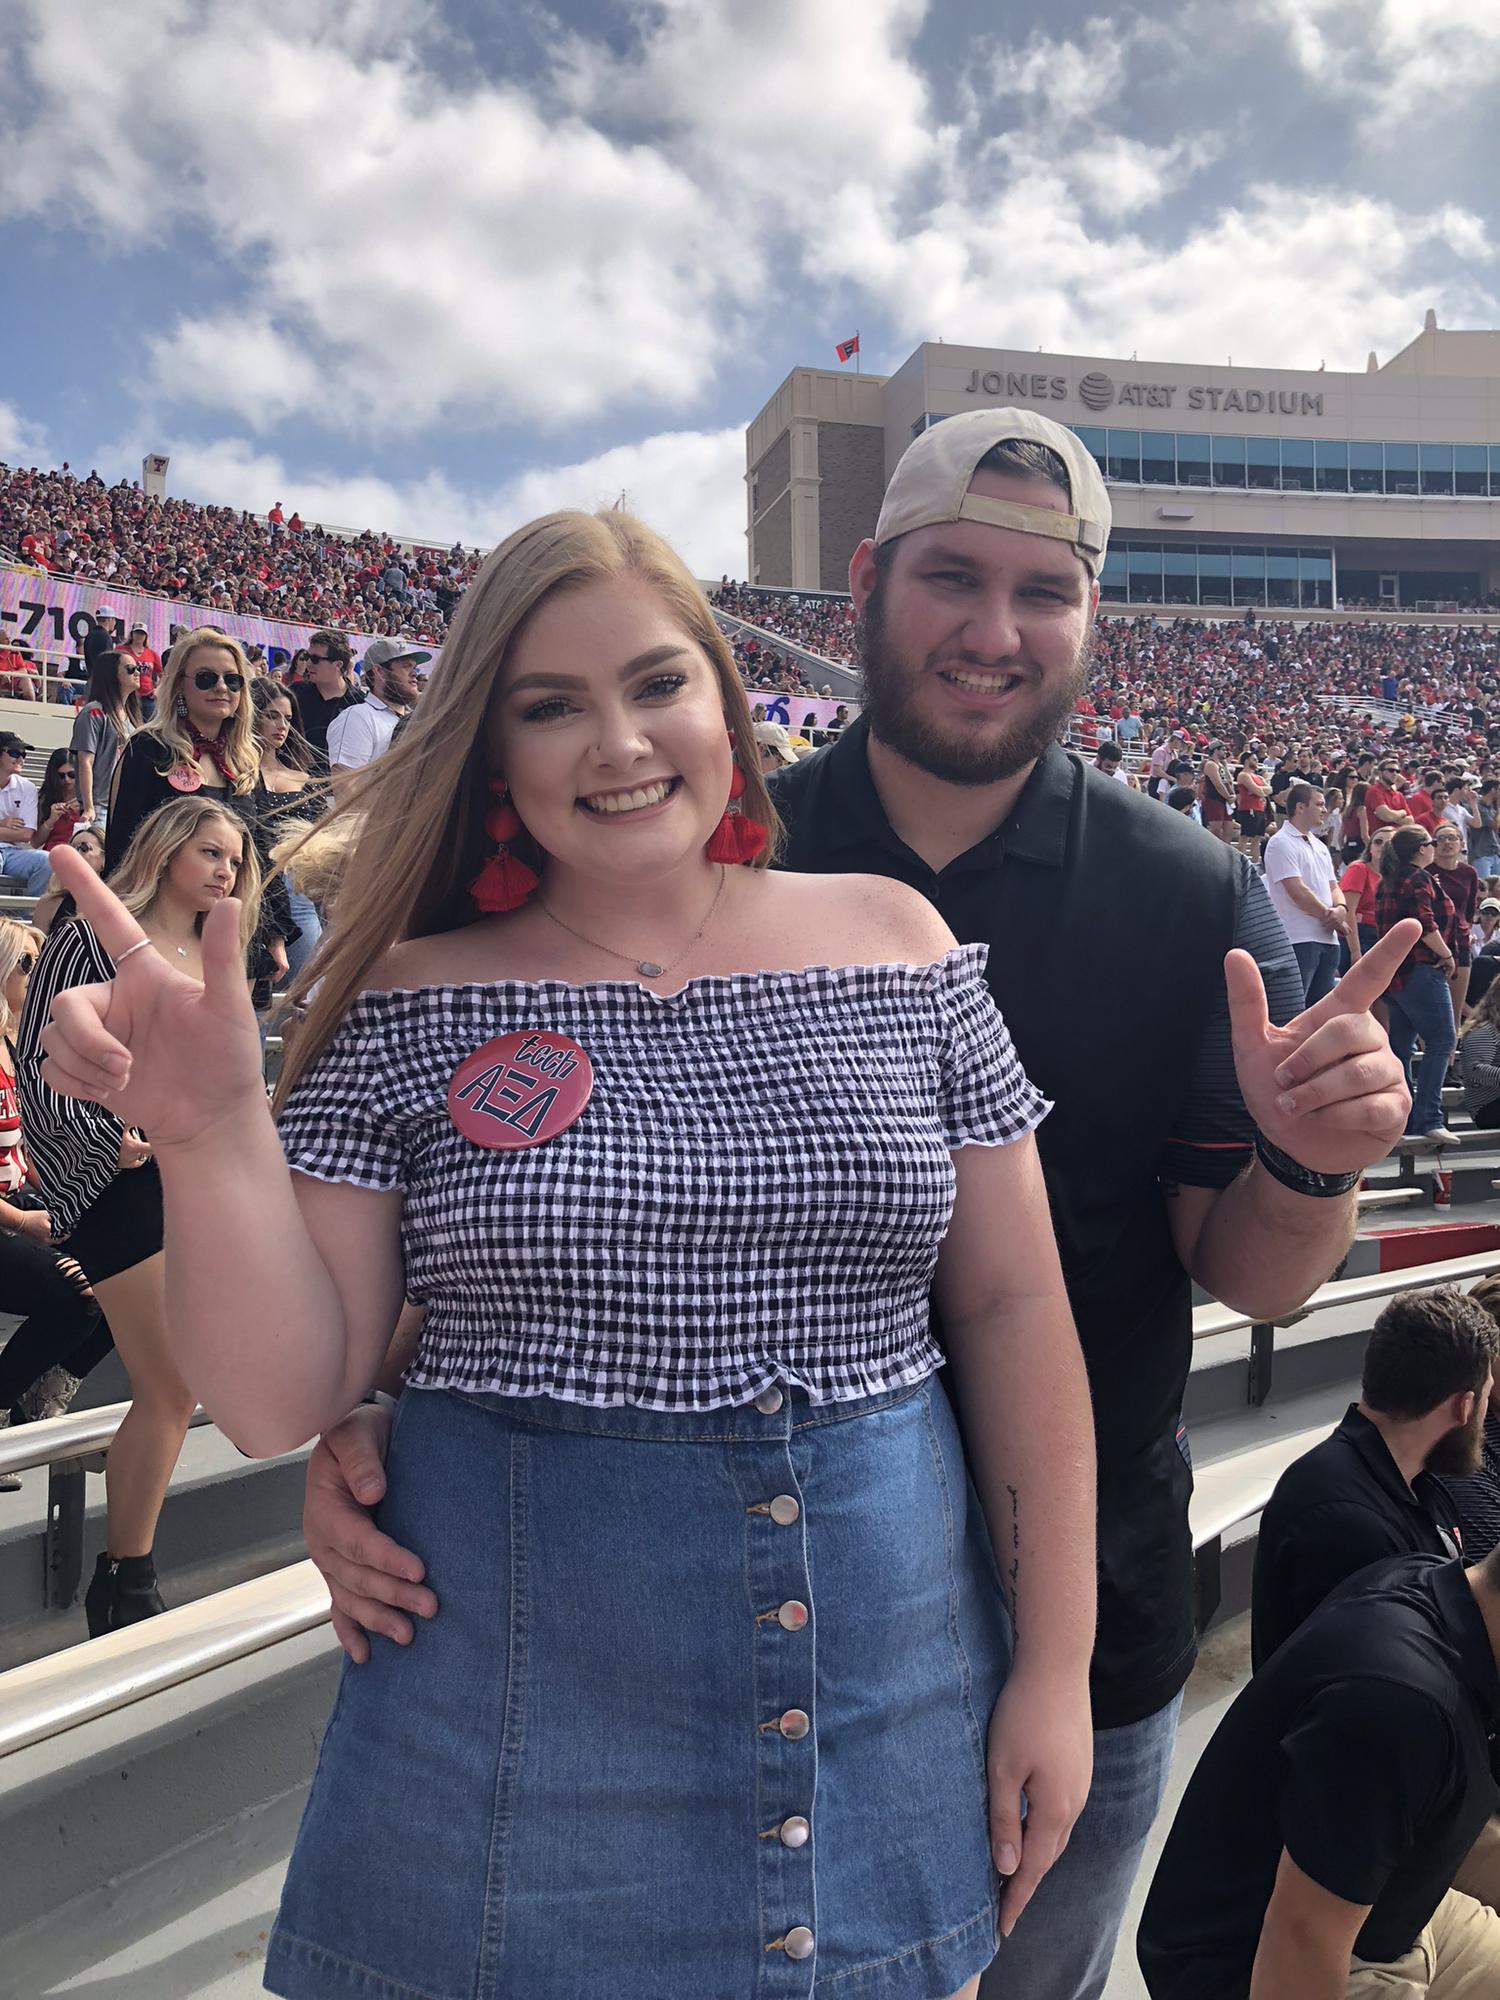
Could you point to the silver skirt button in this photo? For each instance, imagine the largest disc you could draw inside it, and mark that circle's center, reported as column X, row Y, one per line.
column 769, row 1401
column 794, row 1724
column 784, row 1510
column 792, row 1616
column 795, row 1832
column 800, row 1943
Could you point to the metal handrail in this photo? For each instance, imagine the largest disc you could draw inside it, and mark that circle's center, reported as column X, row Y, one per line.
column 48, row 1696
column 72, row 1436
column 1209, row 1320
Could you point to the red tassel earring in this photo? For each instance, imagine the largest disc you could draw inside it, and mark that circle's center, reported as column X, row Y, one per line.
column 503, row 883
column 735, row 838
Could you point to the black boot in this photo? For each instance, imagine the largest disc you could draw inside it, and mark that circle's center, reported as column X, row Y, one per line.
column 123, row 1592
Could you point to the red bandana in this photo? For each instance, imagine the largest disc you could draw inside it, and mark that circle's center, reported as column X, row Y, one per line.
column 211, row 748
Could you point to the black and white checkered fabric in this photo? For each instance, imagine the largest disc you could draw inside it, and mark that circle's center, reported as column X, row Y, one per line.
column 756, row 1190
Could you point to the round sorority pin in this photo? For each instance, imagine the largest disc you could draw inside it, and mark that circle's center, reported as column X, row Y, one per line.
column 183, row 778
column 520, row 1090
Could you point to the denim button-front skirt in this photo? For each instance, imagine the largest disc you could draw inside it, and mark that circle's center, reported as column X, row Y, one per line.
column 702, row 1715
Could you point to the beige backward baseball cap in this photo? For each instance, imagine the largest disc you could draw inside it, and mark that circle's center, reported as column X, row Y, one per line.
column 931, row 484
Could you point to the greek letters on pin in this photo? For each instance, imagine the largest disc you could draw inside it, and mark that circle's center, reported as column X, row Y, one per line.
column 520, row 1090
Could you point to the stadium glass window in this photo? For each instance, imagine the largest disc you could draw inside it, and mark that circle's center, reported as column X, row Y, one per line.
column 1179, row 574
column 1366, row 468
column 1094, row 439
column 1401, row 468
column 1296, row 465
column 1281, row 577
column 1436, row 463
column 1123, row 460
column 1112, row 576
column 1213, row 576
column 1247, row 576
column 1194, row 462
column 1315, row 579
column 1143, row 566
column 1158, row 458
column 1229, row 467
column 1331, row 465
column 1263, row 463
column 1494, row 451
column 1470, row 468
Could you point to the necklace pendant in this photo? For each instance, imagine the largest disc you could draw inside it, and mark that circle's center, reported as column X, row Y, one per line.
column 648, row 969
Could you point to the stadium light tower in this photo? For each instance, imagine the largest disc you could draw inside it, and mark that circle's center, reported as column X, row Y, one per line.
column 154, row 474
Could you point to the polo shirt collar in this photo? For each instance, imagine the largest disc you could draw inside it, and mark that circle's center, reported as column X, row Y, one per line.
column 1037, row 829
column 1376, row 1453
column 1454, row 1597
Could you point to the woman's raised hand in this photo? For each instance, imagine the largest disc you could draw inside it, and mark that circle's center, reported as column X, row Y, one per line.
column 153, row 1046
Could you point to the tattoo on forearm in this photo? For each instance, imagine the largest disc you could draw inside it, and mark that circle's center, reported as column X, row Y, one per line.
column 1013, row 1570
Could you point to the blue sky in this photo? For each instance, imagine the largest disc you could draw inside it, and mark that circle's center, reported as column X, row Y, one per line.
column 438, row 267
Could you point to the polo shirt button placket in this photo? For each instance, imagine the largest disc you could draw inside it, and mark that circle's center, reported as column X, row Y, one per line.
column 783, row 1679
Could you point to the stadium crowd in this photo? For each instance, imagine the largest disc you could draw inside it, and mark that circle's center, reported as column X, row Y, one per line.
column 279, row 566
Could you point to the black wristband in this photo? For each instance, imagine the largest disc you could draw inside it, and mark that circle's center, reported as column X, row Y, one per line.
column 1302, row 1180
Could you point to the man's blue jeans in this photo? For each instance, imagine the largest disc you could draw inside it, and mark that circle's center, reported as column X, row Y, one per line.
column 1064, row 1944
column 1318, row 964
column 31, row 866
column 1423, row 1006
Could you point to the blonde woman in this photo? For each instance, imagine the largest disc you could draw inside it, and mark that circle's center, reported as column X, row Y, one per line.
column 61, row 1336
column 87, row 841
column 719, row 1603
column 202, row 745
column 96, row 1170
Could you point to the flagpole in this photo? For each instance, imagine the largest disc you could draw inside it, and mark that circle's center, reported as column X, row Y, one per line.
column 857, row 354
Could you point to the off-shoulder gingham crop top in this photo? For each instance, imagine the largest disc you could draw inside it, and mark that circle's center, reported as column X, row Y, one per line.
column 756, row 1191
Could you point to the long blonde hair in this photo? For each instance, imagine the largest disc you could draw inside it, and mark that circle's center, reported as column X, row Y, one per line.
column 161, row 837
column 241, row 749
column 425, row 800
column 15, row 937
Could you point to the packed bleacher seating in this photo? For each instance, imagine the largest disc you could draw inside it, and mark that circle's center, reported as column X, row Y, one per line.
column 823, row 623
column 274, row 567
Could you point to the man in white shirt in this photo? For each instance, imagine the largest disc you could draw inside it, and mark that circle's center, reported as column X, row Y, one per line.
column 1304, row 891
column 30, row 865
column 359, row 735
column 1109, row 758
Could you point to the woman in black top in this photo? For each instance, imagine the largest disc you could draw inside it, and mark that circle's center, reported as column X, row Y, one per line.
column 202, row 743
column 298, row 798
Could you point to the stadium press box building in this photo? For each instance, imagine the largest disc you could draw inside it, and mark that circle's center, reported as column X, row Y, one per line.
column 1231, row 486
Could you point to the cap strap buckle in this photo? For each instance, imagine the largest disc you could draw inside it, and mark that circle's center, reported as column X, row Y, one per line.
column 1071, row 528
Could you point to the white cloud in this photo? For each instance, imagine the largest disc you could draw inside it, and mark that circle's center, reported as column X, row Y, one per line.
column 21, row 441
column 687, row 484
column 1120, row 176
column 1404, row 56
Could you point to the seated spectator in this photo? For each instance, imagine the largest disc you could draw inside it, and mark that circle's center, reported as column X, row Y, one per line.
column 1477, row 1497
column 1110, row 759
column 57, row 903
column 1183, row 799
column 20, row 855
column 1375, row 1488
column 1479, row 1060
column 1316, row 1850
column 62, row 1335
column 774, row 746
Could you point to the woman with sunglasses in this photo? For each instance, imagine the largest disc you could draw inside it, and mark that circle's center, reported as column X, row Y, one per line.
column 57, row 903
column 110, row 716
column 62, row 1335
column 100, row 1180
column 202, row 744
column 57, row 801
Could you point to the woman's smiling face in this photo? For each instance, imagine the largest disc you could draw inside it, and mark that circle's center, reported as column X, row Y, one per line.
column 608, row 725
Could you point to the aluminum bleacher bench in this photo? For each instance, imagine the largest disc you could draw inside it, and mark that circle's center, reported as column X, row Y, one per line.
column 1230, row 1490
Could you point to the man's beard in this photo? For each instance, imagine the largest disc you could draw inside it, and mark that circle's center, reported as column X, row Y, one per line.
column 1459, row 1453
column 891, row 691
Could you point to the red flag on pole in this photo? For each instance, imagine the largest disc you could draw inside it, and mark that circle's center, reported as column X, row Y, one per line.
column 847, row 349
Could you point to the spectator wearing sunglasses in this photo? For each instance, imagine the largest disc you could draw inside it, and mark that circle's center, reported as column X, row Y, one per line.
column 19, row 854
column 57, row 801
column 110, row 716
column 326, row 692
column 202, row 743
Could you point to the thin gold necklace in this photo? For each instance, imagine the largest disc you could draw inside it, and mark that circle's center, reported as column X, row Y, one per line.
column 646, row 967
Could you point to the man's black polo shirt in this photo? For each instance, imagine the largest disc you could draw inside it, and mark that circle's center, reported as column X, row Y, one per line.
column 1107, row 920
column 1342, row 1505
column 1362, row 1747
column 316, row 711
